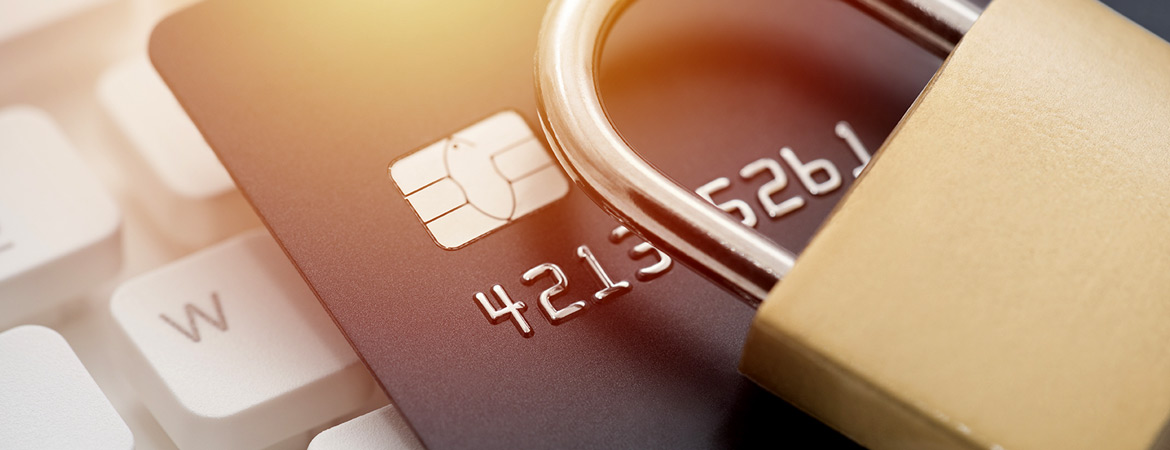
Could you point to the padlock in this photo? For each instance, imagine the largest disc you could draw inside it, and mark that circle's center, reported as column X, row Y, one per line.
column 998, row 278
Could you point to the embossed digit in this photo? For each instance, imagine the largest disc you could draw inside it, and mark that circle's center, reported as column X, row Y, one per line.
column 560, row 284
column 508, row 310
column 662, row 261
column 805, row 171
column 845, row 132
column 610, row 288
column 778, row 183
column 731, row 206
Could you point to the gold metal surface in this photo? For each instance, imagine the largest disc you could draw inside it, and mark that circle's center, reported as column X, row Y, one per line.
column 1000, row 278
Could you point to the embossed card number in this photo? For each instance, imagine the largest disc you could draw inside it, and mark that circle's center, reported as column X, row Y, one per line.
column 510, row 310
column 819, row 177
column 806, row 172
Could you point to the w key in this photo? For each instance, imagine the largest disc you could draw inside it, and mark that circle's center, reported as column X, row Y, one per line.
column 229, row 349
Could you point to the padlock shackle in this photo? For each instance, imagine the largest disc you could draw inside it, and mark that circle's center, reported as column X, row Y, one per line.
column 614, row 176
column 935, row 25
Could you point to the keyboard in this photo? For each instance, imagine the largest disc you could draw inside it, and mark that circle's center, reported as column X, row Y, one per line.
column 127, row 254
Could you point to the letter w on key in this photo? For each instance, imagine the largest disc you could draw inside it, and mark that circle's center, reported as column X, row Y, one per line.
column 192, row 311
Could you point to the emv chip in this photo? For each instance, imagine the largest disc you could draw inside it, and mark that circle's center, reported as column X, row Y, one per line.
column 478, row 179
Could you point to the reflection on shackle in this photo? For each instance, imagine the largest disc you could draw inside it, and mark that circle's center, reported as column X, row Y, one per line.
column 935, row 25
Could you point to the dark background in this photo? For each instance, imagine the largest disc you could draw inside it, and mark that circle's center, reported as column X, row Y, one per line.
column 1154, row 15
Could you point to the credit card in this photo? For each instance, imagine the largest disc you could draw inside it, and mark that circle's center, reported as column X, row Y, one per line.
column 394, row 150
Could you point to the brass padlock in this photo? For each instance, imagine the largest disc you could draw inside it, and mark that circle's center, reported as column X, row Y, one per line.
column 998, row 278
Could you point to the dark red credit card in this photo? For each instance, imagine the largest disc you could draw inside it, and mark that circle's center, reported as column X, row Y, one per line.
column 394, row 151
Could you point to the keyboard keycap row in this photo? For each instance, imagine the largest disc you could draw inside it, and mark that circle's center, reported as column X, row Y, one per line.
column 60, row 229
column 227, row 347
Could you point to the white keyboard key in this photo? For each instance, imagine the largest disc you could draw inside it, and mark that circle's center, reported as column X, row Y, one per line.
column 18, row 17
column 136, row 97
column 59, row 229
column 48, row 400
column 45, row 44
column 229, row 349
column 183, row 185
column 383, row 428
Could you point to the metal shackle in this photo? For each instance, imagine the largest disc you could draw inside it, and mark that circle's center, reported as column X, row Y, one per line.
column 657, row 208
